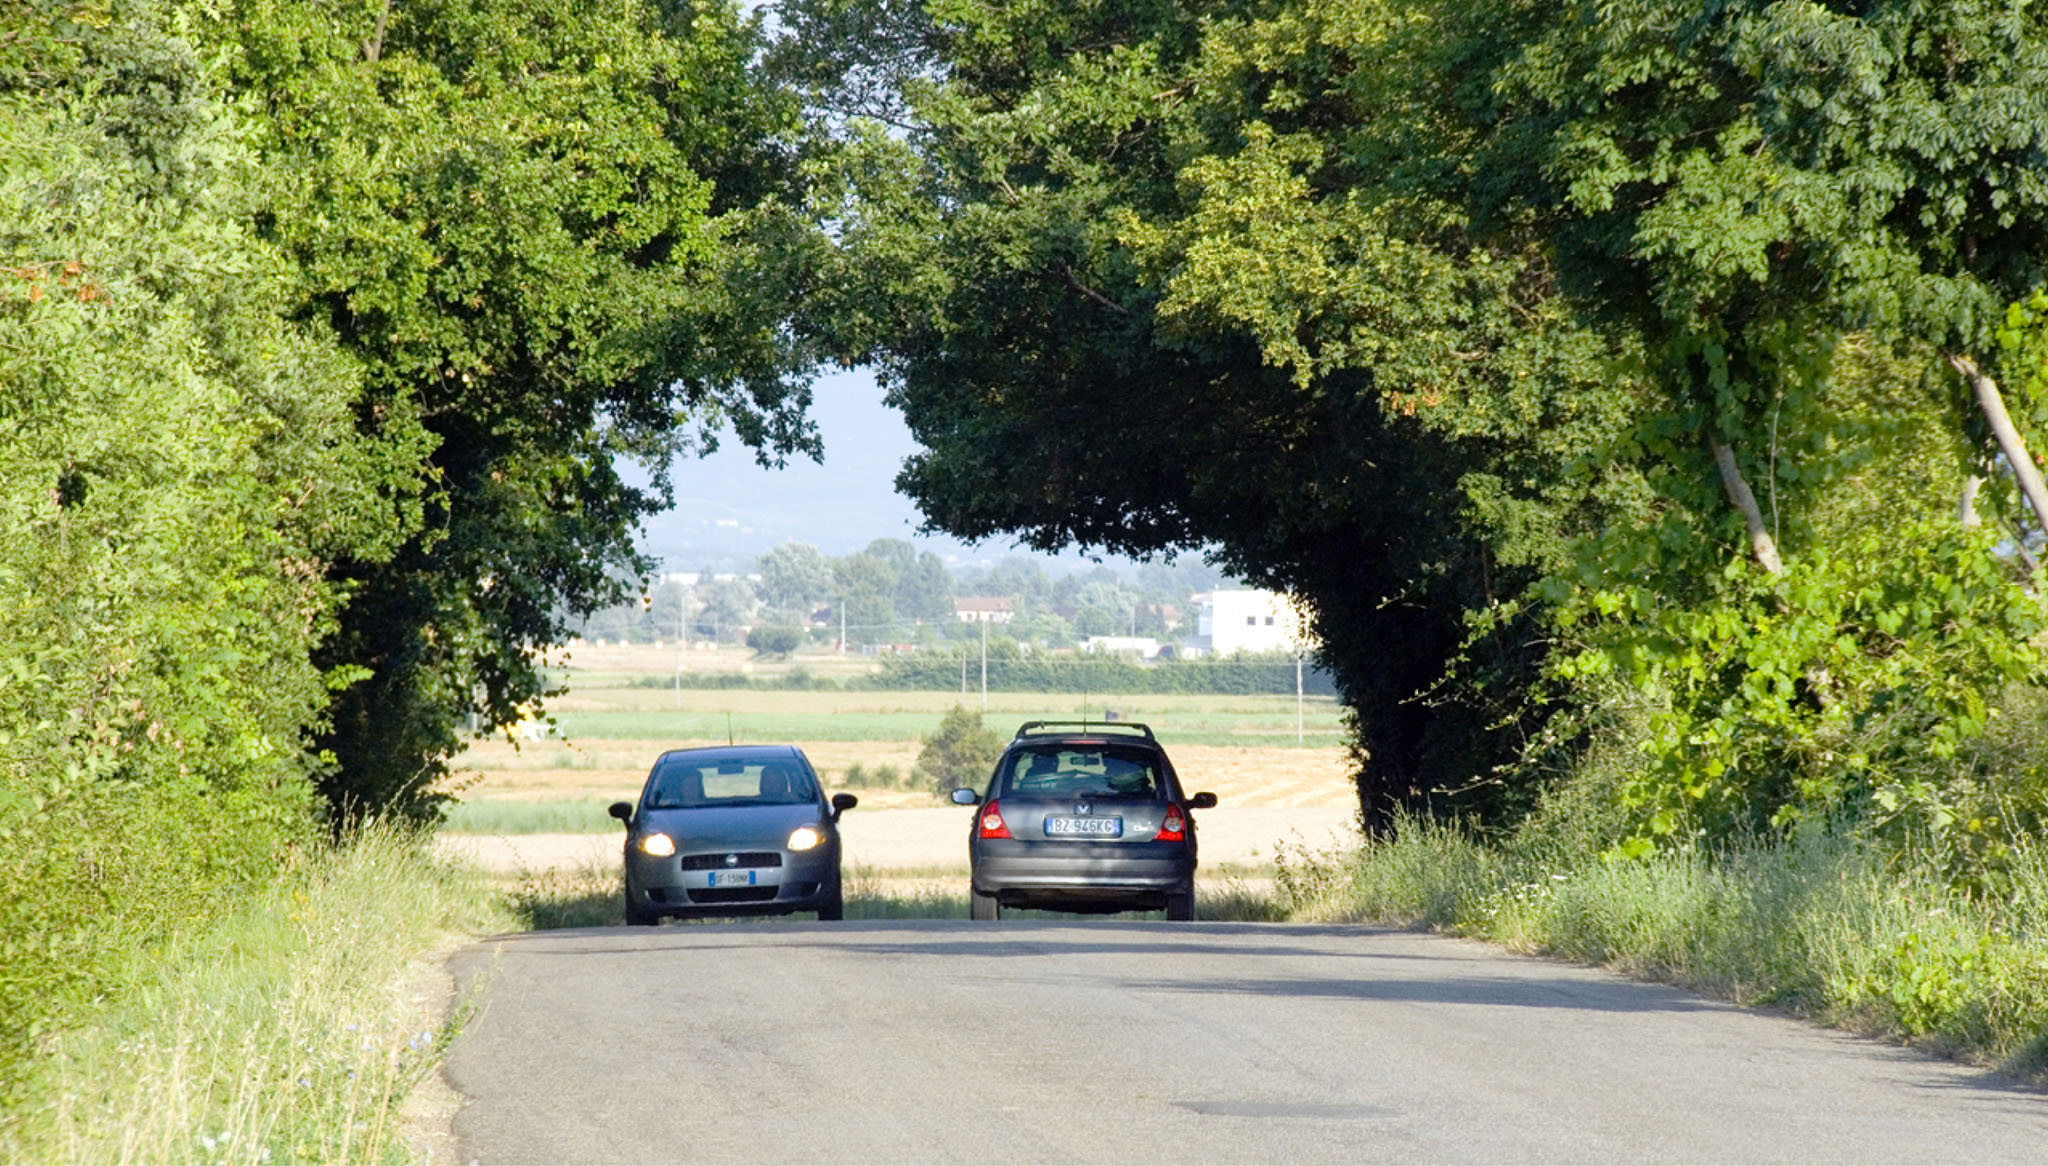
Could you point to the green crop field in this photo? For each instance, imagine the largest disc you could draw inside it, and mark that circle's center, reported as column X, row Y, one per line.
column 611, row 706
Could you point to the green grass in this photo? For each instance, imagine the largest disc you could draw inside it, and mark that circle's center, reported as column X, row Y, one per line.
column 280, row 1033
column 555, row 816
column 592, row 897
column 1826, row 927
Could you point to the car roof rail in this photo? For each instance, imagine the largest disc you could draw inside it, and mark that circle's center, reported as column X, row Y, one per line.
column 1067, row 728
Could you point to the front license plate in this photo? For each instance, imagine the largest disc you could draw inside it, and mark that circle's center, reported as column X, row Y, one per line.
column 1084, row 827
column 732, row 878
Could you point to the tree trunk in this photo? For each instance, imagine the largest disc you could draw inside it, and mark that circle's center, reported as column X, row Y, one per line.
column 2010, row 443
column 1966, row 507
column 1760, row 542
column 374, row 47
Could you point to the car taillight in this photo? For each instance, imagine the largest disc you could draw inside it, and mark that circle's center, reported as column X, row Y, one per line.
column 992, row 822
column 1173, row 827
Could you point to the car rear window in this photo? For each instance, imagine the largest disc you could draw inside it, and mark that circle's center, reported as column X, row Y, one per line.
column 691, row 783
column 1068, row 770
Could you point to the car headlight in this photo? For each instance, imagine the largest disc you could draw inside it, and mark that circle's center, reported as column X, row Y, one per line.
column 658, row 845
column 805, row 837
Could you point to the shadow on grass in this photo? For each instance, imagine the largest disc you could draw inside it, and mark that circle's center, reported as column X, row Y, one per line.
column 549, row 900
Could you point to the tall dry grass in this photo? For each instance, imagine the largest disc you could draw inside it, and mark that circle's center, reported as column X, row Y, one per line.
column 289, row 1030
column 1827, row 926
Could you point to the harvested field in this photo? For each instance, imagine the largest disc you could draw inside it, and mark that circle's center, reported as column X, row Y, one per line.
column 610, row 770
column 930, row 839
column 616, row 720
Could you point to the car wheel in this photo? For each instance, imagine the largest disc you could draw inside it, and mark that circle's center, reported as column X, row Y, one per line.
column 1180, row 905
column 638, row 916
column 834, row 908
column 982, row 906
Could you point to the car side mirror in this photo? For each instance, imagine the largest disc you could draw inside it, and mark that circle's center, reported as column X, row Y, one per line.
column 1202, row 801
column 623, row 811
column 842, row 803
column 966, row 797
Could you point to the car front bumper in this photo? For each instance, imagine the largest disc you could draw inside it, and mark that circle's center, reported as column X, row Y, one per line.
column 803, row 881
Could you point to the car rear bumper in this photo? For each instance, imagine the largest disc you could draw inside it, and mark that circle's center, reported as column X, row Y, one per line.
column 1018, row 872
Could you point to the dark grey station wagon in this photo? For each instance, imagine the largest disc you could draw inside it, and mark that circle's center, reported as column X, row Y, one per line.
column 1085, row 817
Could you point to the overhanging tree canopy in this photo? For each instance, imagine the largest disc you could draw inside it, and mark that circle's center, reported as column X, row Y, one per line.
column 1166, row 299
column 548, row 234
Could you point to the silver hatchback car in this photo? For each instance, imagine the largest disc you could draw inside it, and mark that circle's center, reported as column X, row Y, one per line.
column 734, row 830
column 1083, row 817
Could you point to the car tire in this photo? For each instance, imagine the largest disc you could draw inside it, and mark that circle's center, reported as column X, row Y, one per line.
column 834, row 908
column 1180, row 905
column 637, row 916
column 982, row 906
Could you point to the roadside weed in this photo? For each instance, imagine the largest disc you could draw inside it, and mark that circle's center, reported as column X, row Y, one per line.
column 287, row 1031
column 586, row 896
column 1824, row 925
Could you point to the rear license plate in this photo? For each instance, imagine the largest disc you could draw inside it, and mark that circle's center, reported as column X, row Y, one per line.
column 732, row 878
column 1084, row 827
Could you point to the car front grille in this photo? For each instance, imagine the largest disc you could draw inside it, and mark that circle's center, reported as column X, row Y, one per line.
column 732, row 894
column 746, row 858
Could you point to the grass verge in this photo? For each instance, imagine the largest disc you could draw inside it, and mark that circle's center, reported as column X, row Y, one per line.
column 593, row 897
column 286, row 1031
column 1826, row 927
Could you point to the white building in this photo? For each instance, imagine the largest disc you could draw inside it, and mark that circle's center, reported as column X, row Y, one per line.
column 1251, row 620
column 982, row 609
column 1144, row 647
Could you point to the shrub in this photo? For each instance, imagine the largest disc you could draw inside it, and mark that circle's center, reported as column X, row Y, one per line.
column 775, row 641
column 177, row 462
column 859, row 776
column 959, row 753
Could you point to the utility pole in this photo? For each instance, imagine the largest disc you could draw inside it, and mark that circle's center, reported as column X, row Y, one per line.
column 683, row 638
column 1297, row 698
column 842, row 625
column 984, row 665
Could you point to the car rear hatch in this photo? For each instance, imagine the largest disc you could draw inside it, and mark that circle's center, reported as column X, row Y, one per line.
column 1084, row 820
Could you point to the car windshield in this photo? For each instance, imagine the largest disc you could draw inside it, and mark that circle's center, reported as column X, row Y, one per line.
column 1067, row 769
column 687, row 783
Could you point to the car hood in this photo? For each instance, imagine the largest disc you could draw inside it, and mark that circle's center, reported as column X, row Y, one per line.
column 734, row 827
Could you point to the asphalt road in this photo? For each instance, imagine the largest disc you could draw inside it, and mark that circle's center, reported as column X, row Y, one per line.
column 1027, row 1041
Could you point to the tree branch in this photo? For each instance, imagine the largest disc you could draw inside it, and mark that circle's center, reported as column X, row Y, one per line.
column 1092, row 294
column 1760, row 542
column 1992, row 404
column 374, row 47
column 2019, row 544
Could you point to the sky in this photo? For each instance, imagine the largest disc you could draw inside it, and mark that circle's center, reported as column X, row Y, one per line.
column 729, row 509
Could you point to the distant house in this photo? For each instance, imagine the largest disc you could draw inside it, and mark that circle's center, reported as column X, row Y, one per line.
column 1144, row 647
column 983, row 609
column 1250, row 620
